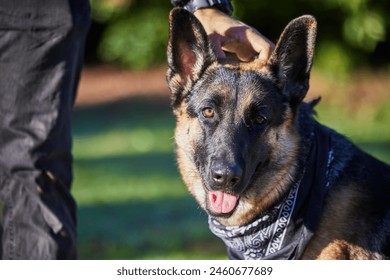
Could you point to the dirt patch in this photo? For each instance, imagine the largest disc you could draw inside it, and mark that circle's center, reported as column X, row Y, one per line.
column 107, row 84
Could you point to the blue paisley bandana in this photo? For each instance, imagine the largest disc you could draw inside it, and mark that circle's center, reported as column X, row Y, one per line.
column 283, row 231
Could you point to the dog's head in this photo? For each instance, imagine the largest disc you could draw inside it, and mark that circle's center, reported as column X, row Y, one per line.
column 236, row 134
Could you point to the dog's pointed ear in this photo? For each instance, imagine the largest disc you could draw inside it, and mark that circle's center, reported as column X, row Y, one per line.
column 291, row 61
column 189, row 53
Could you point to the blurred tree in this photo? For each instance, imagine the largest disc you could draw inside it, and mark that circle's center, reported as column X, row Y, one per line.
column 135, row 32
column 352, row 33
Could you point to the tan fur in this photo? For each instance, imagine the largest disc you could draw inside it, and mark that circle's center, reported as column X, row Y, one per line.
column 186, row 134
column 344, row 250
column 234, row 63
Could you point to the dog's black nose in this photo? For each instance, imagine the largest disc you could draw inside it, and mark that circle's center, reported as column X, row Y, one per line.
column 224, row 175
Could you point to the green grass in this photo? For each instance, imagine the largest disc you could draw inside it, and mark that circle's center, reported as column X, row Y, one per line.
column 369, row 130
column 132, row 202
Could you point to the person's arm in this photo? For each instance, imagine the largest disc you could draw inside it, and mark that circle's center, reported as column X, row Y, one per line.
column 227, row 33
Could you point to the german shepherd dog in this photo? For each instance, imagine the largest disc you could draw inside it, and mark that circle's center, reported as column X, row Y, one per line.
column 274, row 182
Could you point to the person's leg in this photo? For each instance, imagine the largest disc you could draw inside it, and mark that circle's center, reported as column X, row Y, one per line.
column 41, row 48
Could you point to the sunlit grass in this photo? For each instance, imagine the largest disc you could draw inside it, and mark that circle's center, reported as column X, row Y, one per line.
column 120, row 165
column 370, row 131
column 120, row 142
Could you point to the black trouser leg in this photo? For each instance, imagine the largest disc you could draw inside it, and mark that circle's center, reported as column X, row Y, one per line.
column 41, row 48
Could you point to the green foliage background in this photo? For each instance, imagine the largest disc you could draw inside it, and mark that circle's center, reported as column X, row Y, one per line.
column 352, row 33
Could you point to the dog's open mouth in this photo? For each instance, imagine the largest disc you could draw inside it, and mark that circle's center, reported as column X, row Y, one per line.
column 221, row 203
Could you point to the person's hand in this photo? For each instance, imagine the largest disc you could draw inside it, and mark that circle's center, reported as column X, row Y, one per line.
column 231, row 35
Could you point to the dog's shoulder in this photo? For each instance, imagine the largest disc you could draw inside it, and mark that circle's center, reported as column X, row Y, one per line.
column 356, row 213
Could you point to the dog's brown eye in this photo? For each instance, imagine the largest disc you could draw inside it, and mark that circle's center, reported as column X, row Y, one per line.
column 260, row 120
column 208, row 113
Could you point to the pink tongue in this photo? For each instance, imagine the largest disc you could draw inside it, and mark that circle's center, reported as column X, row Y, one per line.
column 221, row 202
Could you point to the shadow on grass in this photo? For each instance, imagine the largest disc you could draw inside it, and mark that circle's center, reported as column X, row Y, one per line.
column 167, row 228
column 378, row 149
column 132, row 113
column 160, row 164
